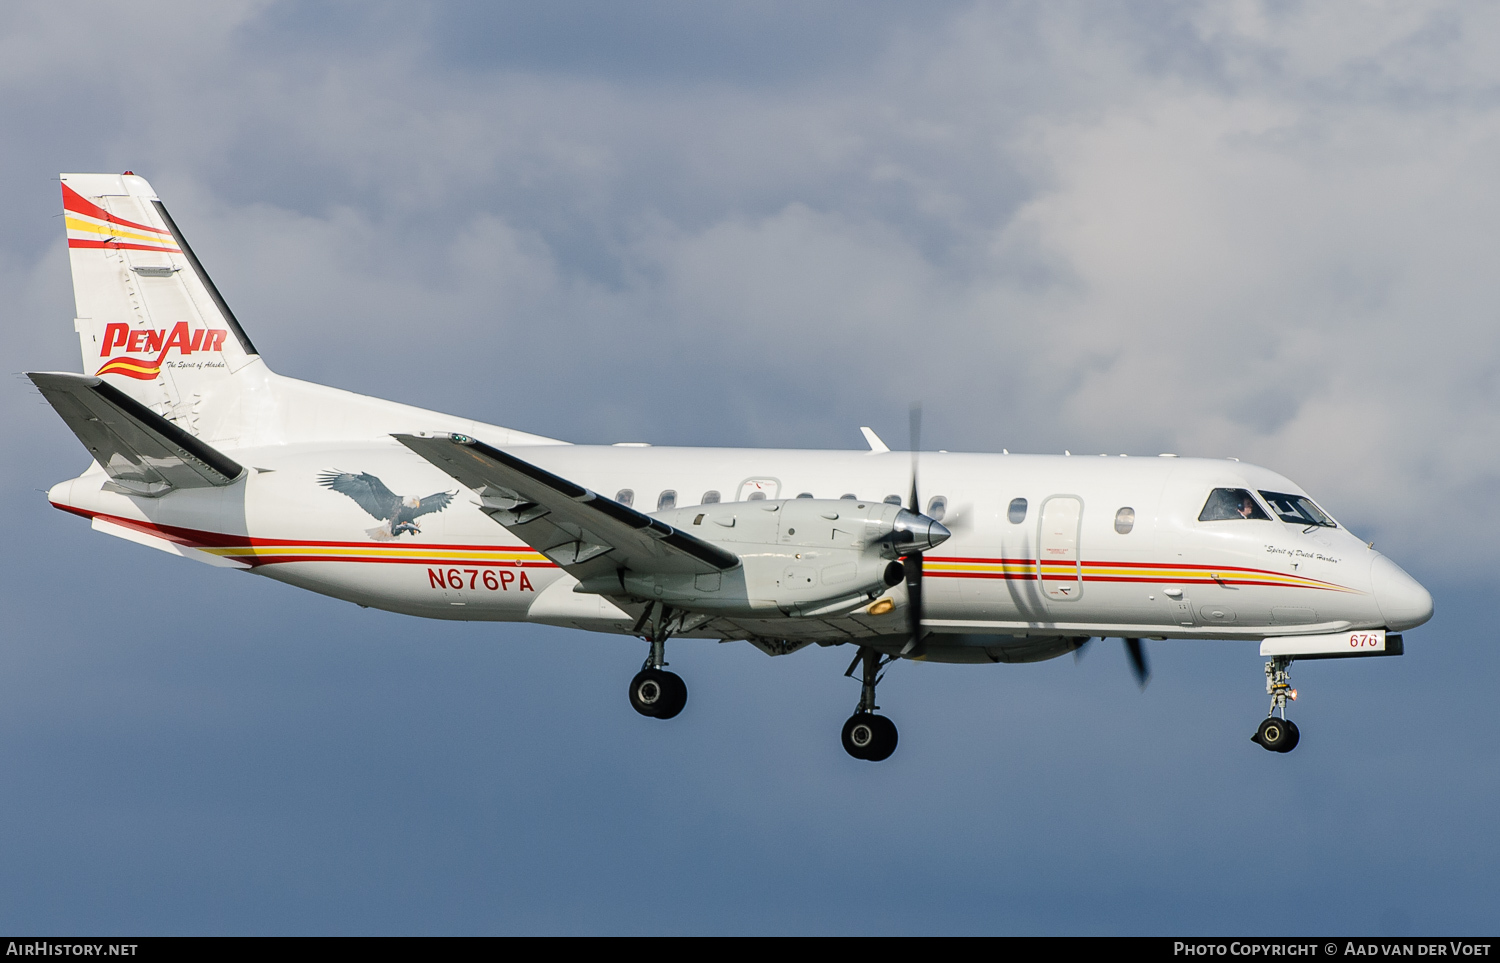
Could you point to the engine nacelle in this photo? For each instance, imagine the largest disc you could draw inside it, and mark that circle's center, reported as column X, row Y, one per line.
column 798, row 557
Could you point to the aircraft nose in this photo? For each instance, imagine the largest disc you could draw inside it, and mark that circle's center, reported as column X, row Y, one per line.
column 1403, row 601
column 918, row 533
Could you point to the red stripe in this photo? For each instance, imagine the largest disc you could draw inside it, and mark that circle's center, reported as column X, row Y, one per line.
column 1031, row 577
column 965, row 558
column 384, row 560
column 194, row 538
column 1031, row 562
column 78, row 204
column 119, row 245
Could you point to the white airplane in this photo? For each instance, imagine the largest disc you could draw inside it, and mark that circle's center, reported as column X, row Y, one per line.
column 201, row 450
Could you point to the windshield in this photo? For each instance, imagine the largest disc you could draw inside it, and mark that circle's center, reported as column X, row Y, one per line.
column 1298, row 510
column 1230, row 503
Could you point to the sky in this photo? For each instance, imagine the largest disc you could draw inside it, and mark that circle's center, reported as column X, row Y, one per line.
column 1253, row 229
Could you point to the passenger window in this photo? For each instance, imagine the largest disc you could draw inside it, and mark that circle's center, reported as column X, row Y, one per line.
column 893, row 499
column 1124, row 520
column 756, row 497
column 625, row 497
column 710, row 498
column 1298, row 510
column 1228, row 504
column 805, row 495
column 1017, row 512
column 666, row 500
column 937, row 507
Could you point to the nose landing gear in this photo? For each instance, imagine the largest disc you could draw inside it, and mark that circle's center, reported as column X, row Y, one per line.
column 1273, row 734
column 866, row 735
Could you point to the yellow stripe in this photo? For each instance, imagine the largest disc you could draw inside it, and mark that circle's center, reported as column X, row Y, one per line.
column 1164, row 573
column 87, row 227
column 387, row 551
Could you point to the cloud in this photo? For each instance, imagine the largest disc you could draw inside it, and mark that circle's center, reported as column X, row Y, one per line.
column 1246, row 229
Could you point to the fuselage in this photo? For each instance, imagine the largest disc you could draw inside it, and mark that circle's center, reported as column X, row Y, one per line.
column 1042, row 546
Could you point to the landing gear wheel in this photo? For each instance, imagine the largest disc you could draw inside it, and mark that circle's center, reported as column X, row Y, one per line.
column 869, row 737
column 1292, row 737
column 1277, row 735
column 658, row 694
column 676, row 697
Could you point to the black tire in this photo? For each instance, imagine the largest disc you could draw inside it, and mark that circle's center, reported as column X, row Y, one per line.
column 1275, row 735
column 869, row 737
column 885, row 739
column 648, row 692
column 1292, row 737
column 858, row 735
column 675, row 697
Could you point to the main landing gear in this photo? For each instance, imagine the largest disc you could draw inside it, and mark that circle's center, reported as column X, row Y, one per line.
column 866, row 735
column 1273, row 734
column 654, row 691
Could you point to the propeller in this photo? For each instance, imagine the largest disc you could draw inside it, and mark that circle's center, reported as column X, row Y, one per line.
column 913, row 560
column 1137, row 652
column 1135, row 649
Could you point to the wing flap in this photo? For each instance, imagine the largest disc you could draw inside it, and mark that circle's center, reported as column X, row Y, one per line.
column 144, row 453
column 585, row 533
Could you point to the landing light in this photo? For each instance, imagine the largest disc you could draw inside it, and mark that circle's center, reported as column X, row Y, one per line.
column 1292, row 694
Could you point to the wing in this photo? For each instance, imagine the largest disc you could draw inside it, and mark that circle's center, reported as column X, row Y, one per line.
column 367, row 491
column 586, row 534
column 433, row 503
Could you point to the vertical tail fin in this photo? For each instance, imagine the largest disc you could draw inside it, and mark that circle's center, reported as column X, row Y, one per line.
column 153, row 326
column 150, row 321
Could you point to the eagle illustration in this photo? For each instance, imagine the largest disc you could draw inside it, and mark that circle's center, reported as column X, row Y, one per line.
column 398, row 514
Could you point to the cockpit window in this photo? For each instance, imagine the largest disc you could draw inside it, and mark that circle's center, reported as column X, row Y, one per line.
column 1298, row 510
column 1231, row 503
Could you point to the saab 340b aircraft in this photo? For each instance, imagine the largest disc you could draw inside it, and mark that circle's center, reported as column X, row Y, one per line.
column 201, row 450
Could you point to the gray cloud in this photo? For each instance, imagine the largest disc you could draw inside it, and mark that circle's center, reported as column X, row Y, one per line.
column 1262, row 230
column 1244, row 229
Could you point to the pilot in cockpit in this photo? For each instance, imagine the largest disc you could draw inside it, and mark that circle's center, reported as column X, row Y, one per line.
column 1225, row 504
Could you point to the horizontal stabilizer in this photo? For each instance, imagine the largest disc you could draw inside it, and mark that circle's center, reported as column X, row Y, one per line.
column 587, row 534
column 144, row 453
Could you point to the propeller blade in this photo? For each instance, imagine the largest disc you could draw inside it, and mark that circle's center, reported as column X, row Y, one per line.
column 913, row 561
column 1078, row 652
column 913, row 564
column 916, row 444
column 1137, row 652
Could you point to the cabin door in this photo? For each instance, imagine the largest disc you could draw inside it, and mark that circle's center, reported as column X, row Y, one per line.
column 1059, row 563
